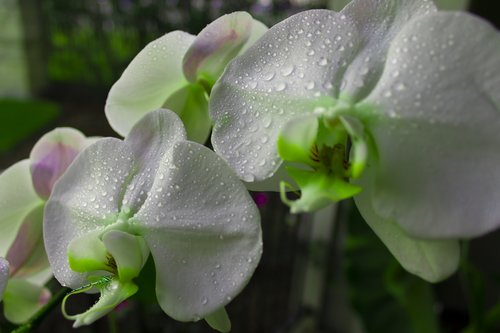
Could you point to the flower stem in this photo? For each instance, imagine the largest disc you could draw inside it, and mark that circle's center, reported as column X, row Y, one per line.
column 42, row 313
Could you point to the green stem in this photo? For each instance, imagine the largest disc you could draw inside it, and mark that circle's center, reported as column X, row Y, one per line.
column 42, row 313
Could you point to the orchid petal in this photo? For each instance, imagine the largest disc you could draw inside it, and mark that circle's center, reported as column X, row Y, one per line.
column 26, row 255
column 318, row 190
column 88, row 253
column 377, row 23
column 17, row 199
column 52, row 155
column 257, row 30
column 41, row 277
column 359, row 146
column 216, row 45
column 152, row 76
column 87, row 197
column 23, row 299
column 191, row 104
column 219, row 320
column 438, row 129
column 129, row 252
column 297, row 139
column 150, row 139
column 205, row 249
column 113, row 292
column 4, row 275
column 432, row 260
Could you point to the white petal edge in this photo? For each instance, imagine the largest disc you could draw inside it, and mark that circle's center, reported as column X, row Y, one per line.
column 151, row 77
column 432, row 260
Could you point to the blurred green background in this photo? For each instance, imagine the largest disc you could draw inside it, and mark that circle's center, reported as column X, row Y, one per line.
column 325, row 272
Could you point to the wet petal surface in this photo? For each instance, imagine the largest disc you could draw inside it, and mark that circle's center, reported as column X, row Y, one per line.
column 203, row 231
column 438, row 129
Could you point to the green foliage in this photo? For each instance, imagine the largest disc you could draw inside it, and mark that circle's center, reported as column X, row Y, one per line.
column 20, row 119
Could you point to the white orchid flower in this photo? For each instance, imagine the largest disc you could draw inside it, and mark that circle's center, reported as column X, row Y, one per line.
column 413, row 94
column 24, row 188
column 155, row 192
column 177, row 71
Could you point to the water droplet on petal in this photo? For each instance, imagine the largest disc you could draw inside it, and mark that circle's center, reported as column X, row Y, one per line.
column 287, row 70
column 280, row 86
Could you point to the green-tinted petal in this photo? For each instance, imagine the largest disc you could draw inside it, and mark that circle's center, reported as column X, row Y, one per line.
column 87, row 197
column 318, row 189
column 23, row 299
column 337, row 5
column 87, row 253
column 203, row 231
column 216, row 45
column 359, row 145
column 377, row 23
column 113, row 292
column 27, row 255
column 52, row 155
column 296, row 140
column 432, row 260
column 452, row 4
column 149, row 80
column 4, row 275
column 191, row 104
column 219, row 320
column 289, row 71
column 17, row 199
column 129, row 253
column 438, row 129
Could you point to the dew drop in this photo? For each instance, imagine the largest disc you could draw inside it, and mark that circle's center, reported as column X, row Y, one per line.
column 287, row 70
column 400, row 87
column 310, row 85
column 269, row 76
column 280, row 86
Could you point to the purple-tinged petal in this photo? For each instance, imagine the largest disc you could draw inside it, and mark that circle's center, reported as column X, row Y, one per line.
column 17, row 199
column 27, row 255
column 218, row 44
column 52, row 155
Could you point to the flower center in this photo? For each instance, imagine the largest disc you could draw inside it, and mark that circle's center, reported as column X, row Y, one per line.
column 322, row 152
